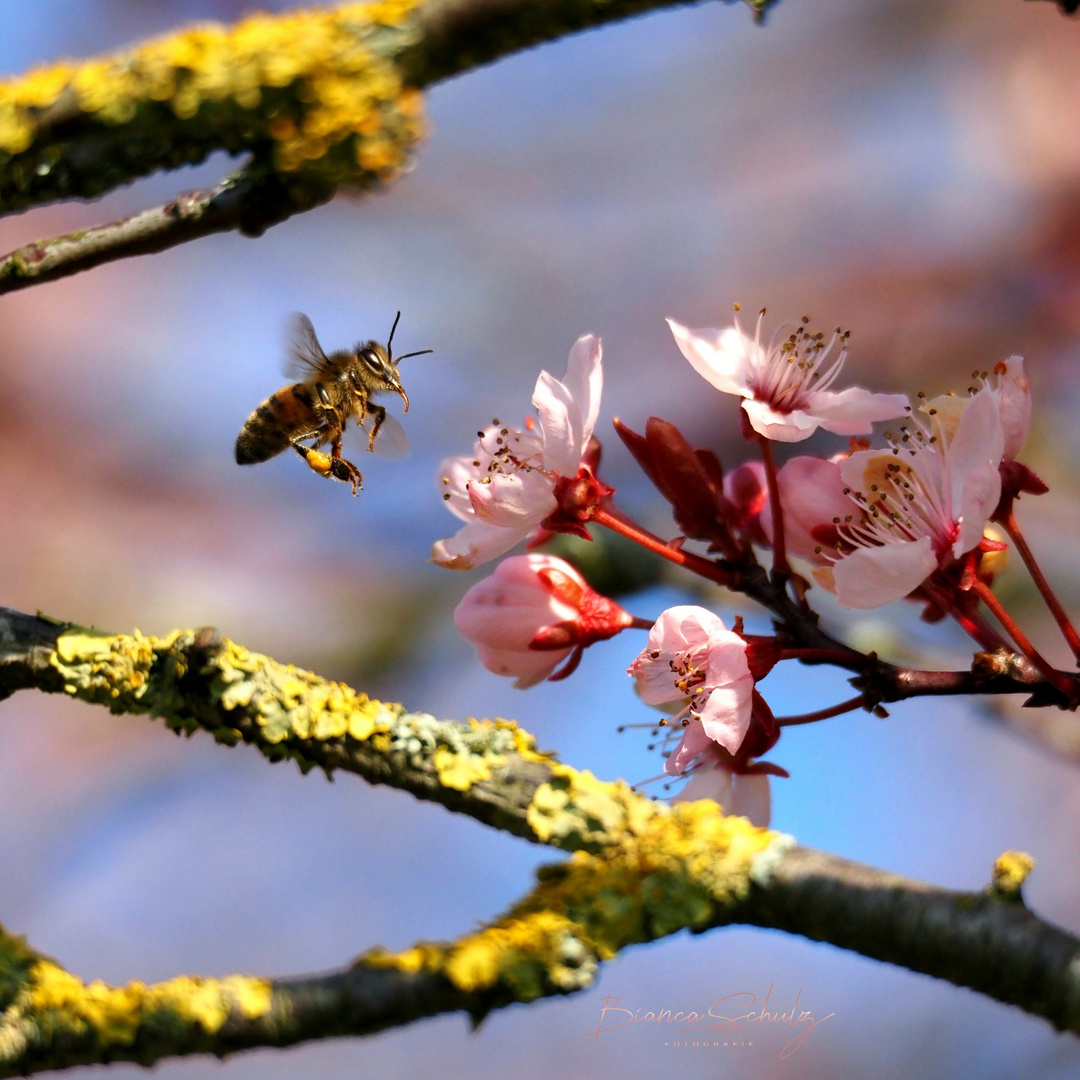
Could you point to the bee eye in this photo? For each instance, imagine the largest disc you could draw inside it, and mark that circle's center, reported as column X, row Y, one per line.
column 371, row 359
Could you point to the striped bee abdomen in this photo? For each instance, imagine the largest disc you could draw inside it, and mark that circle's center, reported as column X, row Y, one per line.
column 280, row 418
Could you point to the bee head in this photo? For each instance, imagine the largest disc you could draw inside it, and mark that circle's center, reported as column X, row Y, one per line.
column 377, row 371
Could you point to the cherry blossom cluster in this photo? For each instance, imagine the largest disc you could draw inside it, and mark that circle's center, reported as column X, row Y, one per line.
column 926, row 515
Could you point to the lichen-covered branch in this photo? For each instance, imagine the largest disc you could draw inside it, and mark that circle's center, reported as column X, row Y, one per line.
column 50, row 1019
column 490, row 769
column 195, row 680
column 673, row 869
column 686, row 867
column 318, row 98
column 640, row 869
column 316, row 95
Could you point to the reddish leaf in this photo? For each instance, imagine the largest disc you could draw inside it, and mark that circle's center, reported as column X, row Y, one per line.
column 684, row 480
column 638, row 446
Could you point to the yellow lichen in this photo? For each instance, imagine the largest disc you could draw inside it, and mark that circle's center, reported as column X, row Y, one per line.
column 100, row 667
column 680, row 867
column 461, row 770
column 208, row 1002
column 141, row 674
column 60, row 1002
column 424, row 956
column 577, row 807
column 514, row 952
column 1011, row 869
column 319, row 84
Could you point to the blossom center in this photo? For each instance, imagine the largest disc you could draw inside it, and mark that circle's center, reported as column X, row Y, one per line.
column 905, row 497
column 688, row 676
column 790, row 368
column 508, row 452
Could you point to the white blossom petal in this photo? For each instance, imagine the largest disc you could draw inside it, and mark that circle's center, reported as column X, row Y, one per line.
column 978, row 440
column 752, row 798
column 569, row 408
column 872, row 576
column 516, row 500
column 779, row 426
column 854, row 410
column 811, row 497
column 693, row 742
column 721, row 357
column 584, row 379
column 726, row 716
column 982, row 490
column 474, row 543
column 709, row 781
column 1014, row 405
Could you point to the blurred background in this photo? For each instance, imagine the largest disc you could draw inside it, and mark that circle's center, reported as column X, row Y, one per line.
column 909, row 171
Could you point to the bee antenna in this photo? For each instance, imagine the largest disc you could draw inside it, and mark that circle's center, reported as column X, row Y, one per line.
column 421, row 352
column 390, row 339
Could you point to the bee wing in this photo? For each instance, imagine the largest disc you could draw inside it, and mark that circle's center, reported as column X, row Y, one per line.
column 391, row 443
column 306, row 356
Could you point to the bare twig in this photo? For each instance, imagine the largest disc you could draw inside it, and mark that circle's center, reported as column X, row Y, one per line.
column 250, row 201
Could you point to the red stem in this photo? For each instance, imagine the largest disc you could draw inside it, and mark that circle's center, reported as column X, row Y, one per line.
column 822, row 714
column 1013, row 529
column 972, row 624
column 620, row 523
column 781, row 570
column 641, row 624
column 1055, row 678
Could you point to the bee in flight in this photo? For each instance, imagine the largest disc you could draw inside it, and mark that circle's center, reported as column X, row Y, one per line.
column 317, row 409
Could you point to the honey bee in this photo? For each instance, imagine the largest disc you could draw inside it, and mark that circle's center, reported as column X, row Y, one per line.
column 317, row 409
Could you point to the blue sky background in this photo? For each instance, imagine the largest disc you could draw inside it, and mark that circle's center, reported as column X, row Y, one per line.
column 908, row 172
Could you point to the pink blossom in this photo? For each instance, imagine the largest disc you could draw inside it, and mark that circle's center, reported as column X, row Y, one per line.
column 785, row 386
column 927, row 501
column 533, row 613
column 693, row 659
column 745, row 794
column 815, row 507
column 506, row 487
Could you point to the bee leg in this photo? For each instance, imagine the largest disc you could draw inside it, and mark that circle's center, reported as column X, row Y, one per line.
column 330, row 465
column 346, row 471
column 342, row 469
column 379, row 412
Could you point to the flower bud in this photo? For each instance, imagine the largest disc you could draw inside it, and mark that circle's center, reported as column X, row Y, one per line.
column 534, row 612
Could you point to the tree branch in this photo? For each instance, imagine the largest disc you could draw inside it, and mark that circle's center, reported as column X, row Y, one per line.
column 250, row 201
column 320, row 99
column 686, row 867
column 641, row 870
